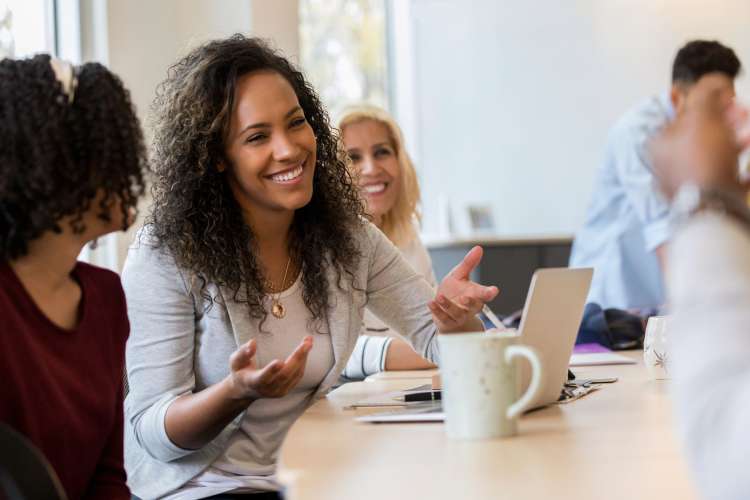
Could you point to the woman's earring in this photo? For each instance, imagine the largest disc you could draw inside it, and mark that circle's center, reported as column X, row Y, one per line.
column 93, row 244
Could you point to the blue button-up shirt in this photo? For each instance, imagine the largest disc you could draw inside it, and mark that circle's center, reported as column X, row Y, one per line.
column 628, row 217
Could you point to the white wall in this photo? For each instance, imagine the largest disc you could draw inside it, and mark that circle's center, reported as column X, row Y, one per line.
column 278, row 21
column 514, row 98
column 145, row 37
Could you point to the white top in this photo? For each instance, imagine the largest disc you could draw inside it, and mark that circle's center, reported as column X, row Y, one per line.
column 248, row 464
column 709, row 348
column 370, row 351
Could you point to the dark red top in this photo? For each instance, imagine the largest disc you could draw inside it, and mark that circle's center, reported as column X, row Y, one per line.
column 63, row 389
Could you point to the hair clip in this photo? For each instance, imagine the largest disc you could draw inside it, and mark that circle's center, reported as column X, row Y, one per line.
column 66, row 75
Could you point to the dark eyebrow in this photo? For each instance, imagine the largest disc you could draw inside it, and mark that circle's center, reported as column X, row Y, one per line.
column 267, row 125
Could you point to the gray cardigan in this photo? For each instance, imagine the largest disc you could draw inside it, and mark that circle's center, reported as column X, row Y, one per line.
column 177, row 347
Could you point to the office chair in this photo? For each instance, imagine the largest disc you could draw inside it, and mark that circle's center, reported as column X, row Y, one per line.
column 24, row 472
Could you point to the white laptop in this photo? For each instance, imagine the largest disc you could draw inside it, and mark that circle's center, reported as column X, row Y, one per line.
column 551, row 318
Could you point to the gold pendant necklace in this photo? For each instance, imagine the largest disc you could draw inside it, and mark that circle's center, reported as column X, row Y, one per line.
column 277, row 308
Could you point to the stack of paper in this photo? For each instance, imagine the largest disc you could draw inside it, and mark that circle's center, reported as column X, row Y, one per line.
column 595, row 354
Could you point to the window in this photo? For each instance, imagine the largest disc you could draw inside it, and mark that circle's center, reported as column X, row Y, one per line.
column 343, row 50
column 26, row 27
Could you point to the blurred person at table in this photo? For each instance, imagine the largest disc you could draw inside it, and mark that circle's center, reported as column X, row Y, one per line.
column 708, row 280
column 388, row 183
column 71, row 163
column 627, row 227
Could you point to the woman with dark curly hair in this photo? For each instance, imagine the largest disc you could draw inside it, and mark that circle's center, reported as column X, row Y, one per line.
column 71, row 164
column 247, row 286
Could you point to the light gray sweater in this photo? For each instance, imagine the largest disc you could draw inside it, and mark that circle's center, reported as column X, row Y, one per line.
column 176, row 346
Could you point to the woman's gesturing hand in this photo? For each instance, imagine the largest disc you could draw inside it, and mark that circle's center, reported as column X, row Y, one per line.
column 274, row 380
column 194, row 419
column 459, row 299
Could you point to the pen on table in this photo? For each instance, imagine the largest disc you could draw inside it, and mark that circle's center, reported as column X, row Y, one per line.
column 491, row 316
column 421, row 396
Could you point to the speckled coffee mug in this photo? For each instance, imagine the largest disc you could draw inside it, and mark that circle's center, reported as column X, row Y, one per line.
column 479, row 383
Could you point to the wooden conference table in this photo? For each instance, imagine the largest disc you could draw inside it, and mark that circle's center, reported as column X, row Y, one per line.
column 614, row 443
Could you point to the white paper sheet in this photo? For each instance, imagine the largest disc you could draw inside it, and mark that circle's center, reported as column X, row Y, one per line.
column 600, row 358
column 429, row 413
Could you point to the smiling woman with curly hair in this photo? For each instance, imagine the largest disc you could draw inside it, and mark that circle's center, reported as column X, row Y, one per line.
column 71, row 164
column 195, row 214
column 256, row 248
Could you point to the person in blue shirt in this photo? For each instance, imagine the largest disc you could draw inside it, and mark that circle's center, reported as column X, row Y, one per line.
column 627, row 224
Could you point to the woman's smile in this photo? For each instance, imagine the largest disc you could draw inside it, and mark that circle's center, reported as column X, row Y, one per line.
column 289, row 176
column 373, row 190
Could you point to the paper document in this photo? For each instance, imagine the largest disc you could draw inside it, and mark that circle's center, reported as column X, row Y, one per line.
column 407, row 374
column 595, row 354
column 426, row 412
column 394, row 398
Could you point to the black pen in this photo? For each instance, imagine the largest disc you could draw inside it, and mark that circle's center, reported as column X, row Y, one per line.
column 421, row 396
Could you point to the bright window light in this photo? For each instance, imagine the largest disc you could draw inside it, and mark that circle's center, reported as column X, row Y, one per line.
column 26, row 27
column 344, row 51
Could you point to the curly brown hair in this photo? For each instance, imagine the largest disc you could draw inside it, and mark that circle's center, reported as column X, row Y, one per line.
column 195, row 215
column 56, row 156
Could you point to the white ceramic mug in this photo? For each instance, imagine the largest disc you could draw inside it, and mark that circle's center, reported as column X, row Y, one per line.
column 655, row 354
column 478, row 379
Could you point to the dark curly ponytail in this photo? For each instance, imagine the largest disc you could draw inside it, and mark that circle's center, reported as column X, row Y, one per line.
column 57, row 156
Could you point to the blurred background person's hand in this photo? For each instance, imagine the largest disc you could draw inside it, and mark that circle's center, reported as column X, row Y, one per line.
column 702, row 146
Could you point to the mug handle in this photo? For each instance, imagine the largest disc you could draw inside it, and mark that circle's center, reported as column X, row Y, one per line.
column 535, row 385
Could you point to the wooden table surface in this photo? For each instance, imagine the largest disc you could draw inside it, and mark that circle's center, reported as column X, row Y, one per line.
column 617, row 442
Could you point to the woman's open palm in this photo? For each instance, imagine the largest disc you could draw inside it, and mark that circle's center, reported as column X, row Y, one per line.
column 459, row 299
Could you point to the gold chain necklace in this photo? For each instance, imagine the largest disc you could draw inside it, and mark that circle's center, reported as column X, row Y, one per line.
column 277, row 308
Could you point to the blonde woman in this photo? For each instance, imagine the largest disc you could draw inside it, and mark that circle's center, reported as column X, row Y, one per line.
column 388, row 183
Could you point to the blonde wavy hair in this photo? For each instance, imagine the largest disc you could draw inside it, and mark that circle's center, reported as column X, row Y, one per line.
column 399, row 223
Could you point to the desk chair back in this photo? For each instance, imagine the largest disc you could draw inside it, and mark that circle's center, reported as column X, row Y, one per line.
column 24, row 472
